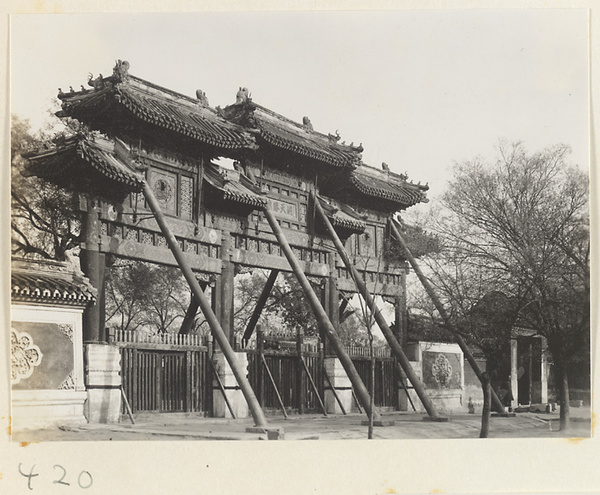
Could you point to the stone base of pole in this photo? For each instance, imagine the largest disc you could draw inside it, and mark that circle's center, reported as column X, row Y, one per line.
column 232, row 389
column 343, row 387
column 103, row 383
column 272, row 433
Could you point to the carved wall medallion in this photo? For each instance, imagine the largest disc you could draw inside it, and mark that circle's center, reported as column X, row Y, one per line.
column 441, row 371
column 25, row 356
column 164, row 186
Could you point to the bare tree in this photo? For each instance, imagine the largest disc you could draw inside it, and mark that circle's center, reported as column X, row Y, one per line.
column 523, row 224
column 44, row 220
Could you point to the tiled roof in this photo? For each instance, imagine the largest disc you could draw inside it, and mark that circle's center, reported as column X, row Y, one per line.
column 49, row 282
column 234, row 186
column 70, row 163
column 283, row 133
column 158, row 106
column 342, row 216
column 292, row 136
column 388, row 185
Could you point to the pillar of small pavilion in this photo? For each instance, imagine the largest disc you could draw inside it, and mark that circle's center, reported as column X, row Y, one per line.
column 102, row 361
column 93, row 264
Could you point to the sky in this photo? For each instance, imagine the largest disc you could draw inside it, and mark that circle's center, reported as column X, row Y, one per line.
column 420, row 90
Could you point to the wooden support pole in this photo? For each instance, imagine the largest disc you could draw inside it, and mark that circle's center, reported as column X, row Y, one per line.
column 260, row 304
column 264, row 362
column 260, row 347
column 342, row 310
column 239, row 373
column 314, row 386
column 190, row 315
column 385, row 329
column 129, row 413
column 356, row 400
column 321, row 315
column 401, row 380
column 442, row 311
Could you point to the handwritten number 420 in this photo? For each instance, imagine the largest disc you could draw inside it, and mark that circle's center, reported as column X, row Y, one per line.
column 84, row 480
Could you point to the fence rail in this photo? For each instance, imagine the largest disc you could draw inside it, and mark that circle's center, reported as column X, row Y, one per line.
column 378, row 352
column 127, row 336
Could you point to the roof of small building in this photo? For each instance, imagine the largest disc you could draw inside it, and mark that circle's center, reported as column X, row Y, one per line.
column 50, row 282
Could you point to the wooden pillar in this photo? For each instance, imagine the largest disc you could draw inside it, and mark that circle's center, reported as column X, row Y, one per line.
column 226, row 288
column 260, row 348
column 93, row 264
column 400, row 314
column 331, row 301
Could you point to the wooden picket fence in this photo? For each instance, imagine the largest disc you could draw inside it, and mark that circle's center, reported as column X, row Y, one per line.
column 172, row 373
column 386, row 375
column 286, row 374
column 165, row 373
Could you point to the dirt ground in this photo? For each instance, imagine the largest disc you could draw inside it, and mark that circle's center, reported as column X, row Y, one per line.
column 314, row 427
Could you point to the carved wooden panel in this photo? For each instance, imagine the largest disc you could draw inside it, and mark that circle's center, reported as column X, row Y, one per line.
column 186, row 197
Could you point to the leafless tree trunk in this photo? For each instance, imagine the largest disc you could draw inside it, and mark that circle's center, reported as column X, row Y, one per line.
column 487, row 403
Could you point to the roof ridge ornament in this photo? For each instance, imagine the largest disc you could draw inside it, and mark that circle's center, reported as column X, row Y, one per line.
column 242, row 96
column 306, row 123
column 334, row 139
column 97, row 83
column 202, row 98
column 121, row 71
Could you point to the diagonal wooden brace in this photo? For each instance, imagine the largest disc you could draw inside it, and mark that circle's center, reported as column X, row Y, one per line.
column 322, row 318
column 387, row 332
column 215, row 327
column 442, row 311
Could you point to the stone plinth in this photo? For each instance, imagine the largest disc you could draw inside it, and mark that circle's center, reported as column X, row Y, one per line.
column 46, row 366
column 47, row 408
column 440, row 367
column 341, row 383
column 103, row 382
column 232, row 389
